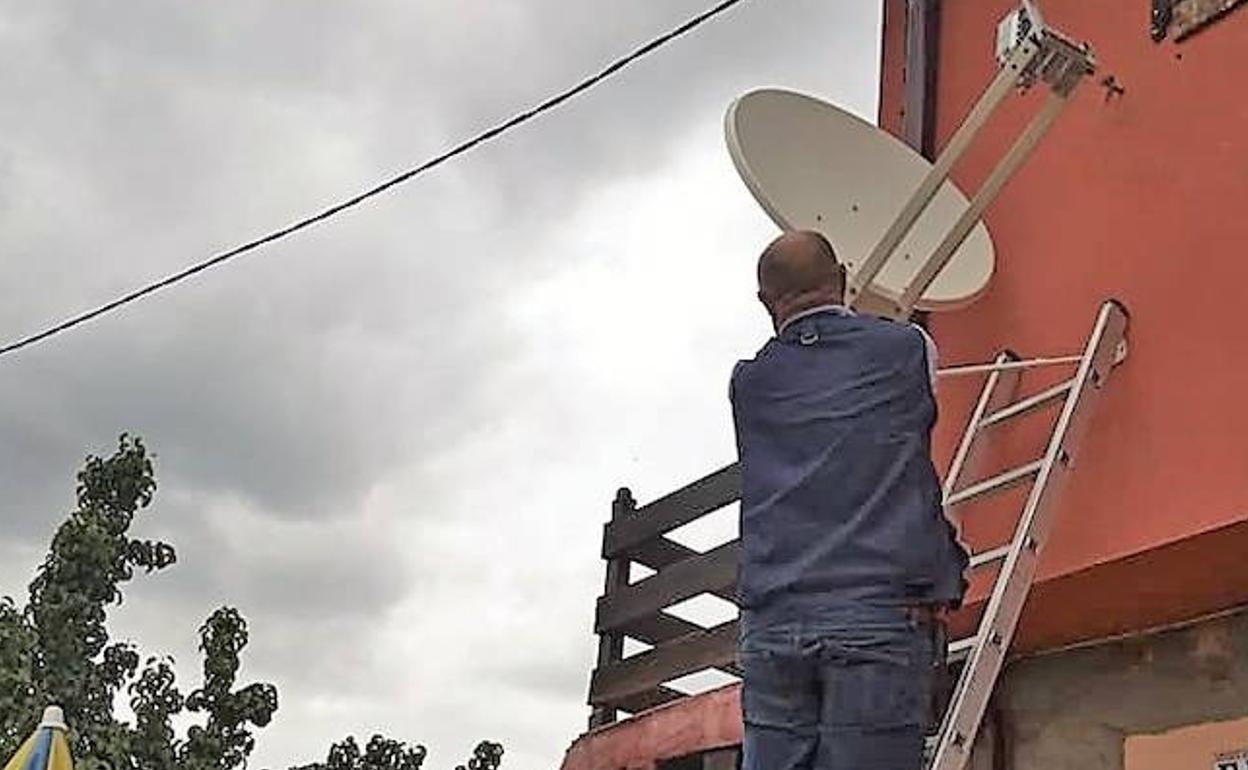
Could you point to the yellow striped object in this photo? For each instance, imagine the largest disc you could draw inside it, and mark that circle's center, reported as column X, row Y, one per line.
column 47, row 749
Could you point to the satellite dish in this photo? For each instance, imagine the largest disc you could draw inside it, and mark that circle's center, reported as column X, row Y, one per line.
column 813, row 166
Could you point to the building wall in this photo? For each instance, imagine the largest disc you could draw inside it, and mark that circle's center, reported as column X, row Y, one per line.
column 1137, row 197
column 1116, row 706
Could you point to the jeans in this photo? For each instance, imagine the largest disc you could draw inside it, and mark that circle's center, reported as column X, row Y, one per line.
column 849, row 690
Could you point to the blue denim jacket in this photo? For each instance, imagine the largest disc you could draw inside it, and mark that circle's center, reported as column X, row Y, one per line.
column 841, row 504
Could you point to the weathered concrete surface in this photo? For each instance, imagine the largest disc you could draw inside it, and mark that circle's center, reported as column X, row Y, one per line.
column 1073, row 709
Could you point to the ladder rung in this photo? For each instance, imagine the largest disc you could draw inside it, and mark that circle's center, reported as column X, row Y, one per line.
column 960, row 650
column 988, row 557
column 995, row 483
column 1025, row 405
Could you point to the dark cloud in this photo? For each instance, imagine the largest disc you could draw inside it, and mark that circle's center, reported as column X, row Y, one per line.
column 390, row 440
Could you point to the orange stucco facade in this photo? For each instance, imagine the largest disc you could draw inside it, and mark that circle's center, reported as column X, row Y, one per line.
column 1136, row 196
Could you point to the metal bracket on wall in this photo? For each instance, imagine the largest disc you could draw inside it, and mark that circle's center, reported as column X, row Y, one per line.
column 1030, row 53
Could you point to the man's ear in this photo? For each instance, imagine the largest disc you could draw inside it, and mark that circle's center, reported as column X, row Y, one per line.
column 771, row 310
column 762, row 297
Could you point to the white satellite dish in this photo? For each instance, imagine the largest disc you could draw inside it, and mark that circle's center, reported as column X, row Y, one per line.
column 814, row 166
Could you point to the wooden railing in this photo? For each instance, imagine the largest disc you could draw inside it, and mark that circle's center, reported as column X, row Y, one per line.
column 637, row 609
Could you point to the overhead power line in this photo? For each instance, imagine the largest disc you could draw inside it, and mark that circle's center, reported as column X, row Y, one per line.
column 459, row 149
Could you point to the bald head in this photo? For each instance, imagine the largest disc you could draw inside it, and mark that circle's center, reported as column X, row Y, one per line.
column 798, row 271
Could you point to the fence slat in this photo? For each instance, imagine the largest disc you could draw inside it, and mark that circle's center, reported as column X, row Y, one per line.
column 661, row 628
column 715, row 570
column 635, row 704
column 658, row 628
column 667, row 513
column 645, row 671
column 661, row 553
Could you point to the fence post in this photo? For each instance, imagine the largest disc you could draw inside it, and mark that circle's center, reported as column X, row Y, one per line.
column 611, row 643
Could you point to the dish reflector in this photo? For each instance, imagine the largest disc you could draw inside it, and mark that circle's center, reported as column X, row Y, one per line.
column 814, row 166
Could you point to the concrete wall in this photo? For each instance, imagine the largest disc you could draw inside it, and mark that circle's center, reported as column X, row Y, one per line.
column 1075, row 709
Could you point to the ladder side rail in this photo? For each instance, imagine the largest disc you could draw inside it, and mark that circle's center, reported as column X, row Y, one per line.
column 1005, row 606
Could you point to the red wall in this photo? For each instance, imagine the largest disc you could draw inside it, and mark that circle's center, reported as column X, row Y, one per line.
column 1141, row 198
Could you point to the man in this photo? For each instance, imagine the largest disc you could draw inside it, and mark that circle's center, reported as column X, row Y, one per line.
column 847, row 559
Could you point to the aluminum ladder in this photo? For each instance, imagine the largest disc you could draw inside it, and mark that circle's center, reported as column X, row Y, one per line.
column 1029, row 52
column 984, row 653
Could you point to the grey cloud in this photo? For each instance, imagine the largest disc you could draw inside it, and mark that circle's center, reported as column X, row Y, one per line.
column 285, row 392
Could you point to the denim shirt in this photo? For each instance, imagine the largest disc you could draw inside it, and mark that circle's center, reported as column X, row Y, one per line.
column 841, row 504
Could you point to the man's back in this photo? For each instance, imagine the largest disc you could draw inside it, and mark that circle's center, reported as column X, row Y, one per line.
column 840, row 502
column 846, row 553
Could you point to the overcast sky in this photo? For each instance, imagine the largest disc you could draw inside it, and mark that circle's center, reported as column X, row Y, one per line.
column 390, row 441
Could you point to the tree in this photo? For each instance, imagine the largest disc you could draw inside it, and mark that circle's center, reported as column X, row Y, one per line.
column 386, row 754
column 57, row 650
column 18, row 699
column 487, row 756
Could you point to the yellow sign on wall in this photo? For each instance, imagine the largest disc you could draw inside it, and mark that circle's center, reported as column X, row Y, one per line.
column 1209, row 746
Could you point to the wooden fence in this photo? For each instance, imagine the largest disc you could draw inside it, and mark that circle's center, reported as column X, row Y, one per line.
column 637, row 610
